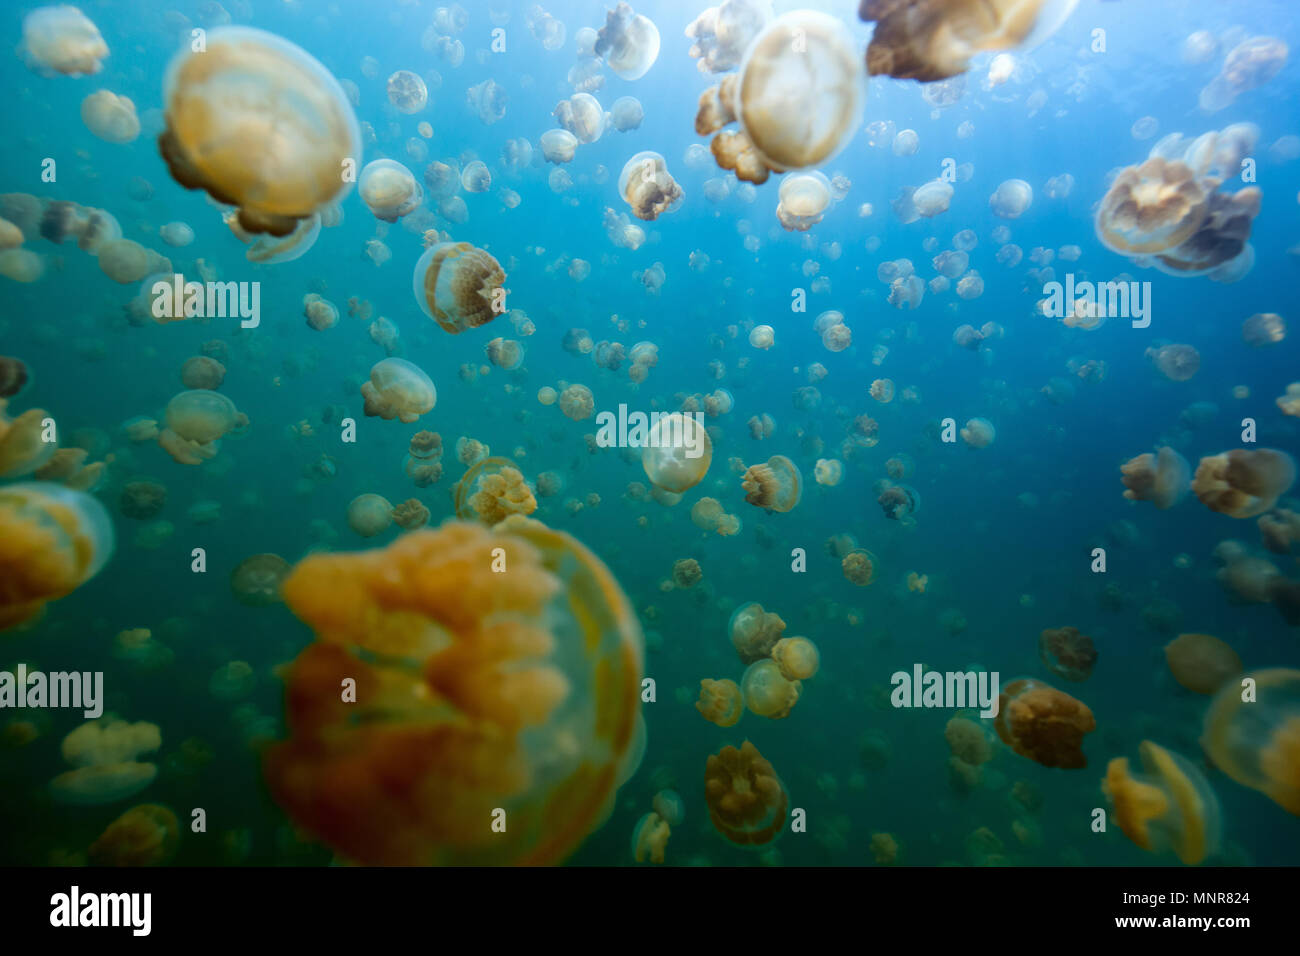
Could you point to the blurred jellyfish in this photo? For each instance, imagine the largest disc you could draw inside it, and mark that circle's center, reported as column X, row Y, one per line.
column 775, row 485
column 1243, row 483
column 1263, row 328
column 970, row 286
column 321, row 313
column 932, row 198
column 1151, row 208
column 1201, row 662
column 1162, row 479
column 906, row 143
column 1067, row 653
column 1198, row 47
column 828, row 472
column 177, row 234
column 459, row 286
column 646, row 185
column 723, row 33
column 258, row 123
column 1253, row 738
column 505, row 353
column 558, row 145
column 110, row 117
column 906, row 292
column 1171, row 807
column 628, row 42
column 802, row 200
column 650, row 838
column 768, row 693
column 747, row 802
column 978, row 433
column 1043, row 724
column 64, row 40
column 407, row 92
column 1011, row 198
column 146, row 835
column 13, row 376
column 256, row 580
column 626, row 114
column 442, row 179
column 104, row 754
column 754, row 631
column 858, row 566
column 1250, row 64
column 369, row 514
column 516, row 155
column 232, row 681
column 582, row 116
column 488, row 100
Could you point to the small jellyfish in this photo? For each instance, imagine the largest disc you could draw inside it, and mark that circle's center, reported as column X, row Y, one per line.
column 124, row 260
column 768, row 693
column 1011, row 199
column 582, row 116
column 492, row 489
column 797, row 657
column 577, row 402
column 646, row 185
column 398, row 389
column 104, row 754
column 859, row 566
column 369, row 514
column 1044, row 724
column 110, row 117
column 256, row 580
column 558, row 145
column 321, row 313
column 747, row 802
column 978, row 433
column 177, row 234
column 966, row 740
column 828, row 472
column 1178, row 363
column 626, row 114
column 488, row 100
column 1201, row 662
column 1255, row 738
column 200, row 371
column 1162, row 479
column 64, row 40
column 687, row 573
column 721, row 702
column 459, row 286
column 389, row 189
column 775, row 485
column 677, row 452
column 475, row 177
column 628, row 42
column 505, row 353
column 407, row 92
column 803, row 198
column 1263, row 329
column 754, row 631
column 722, row 33
column 142, row 500
column 650, row 839
column 932, row 198
column 1243, row 483
column 906, row 142
column 762, row 337
column 1171, row 807
column 232, row 681
column 146, row 835
column 882, row 390
column 1067, row 653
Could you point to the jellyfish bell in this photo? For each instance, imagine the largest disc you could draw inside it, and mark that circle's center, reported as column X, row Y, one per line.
column 1011, row 198
column 62, row 39
column 256, row 580
column 626, row 114
column 747, row 801
column 802, row 200
column 775, row 485
column 407, row 92
column 1256, row 742
column 646, row 185
column 398, row 389
column 1162, row 479
column 628, row 42
column 677, row 452
column 459, row 286
column 110, row 117
column 389, row 189
column 582, row 116
column 558, row 145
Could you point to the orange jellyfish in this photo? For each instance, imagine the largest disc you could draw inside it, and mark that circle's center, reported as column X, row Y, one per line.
column 52, row 540
column 754, row 631
column 767, row 691
column 1252, row 733
column 146, row 835
column 650, row 838
column 256, row 580
column 747, row 801
column 797, row 657
column 479, row 695
column 1067, row 653
column 22, row 446
column 1043, row 723
column 775, row 485
column 1201, row 662
column 492, row 489
column 1151, row 208
column 721, row 702
column 1243, row 483
column 459, row 286
column 1171, row 807
column 859, row 566
column 1162, row 478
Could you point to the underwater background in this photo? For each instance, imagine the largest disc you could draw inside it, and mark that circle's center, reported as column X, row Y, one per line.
column 1004, row 533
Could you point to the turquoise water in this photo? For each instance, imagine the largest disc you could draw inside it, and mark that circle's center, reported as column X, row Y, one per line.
column 1004, row 533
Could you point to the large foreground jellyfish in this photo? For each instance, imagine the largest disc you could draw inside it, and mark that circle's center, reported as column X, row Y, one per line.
column 495, row 714
column 1151, row 208
column 1043, row 723
column 1243, row 483
column 1171, row 807
column 459, row 286
column 797, row 97
column 1254, row 737
column 398, row 389
column 677, row 453
column 1162, row 478
column 747, row 801
column 52, row 540
column 259, row 124
column 776, row 484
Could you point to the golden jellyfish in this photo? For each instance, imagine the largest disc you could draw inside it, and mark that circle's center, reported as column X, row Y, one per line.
column 577, row 402
column 1243, row 483
column 1067, row 653
column 582, row 116
column 884, row 849
column 21, row 265
column 196, row 421
column 797, row 657
column 1263, row 328
column 828, row 472
column 721, row 702
column 104, row 754
column 470, row 451
column 859, row 566
column 1170, row 807
column 321, row 313
column 687, row 573
column 967, row 741
column 389, row 189
column 256, row 580
column 768, row 692
column 110, row 117
column 411, row 514
column 628, row 42
column 1255, row 737
column 882, row 390
column 23, row 445
column 670, row 807
column 762, row 336
column 1178, row 363
column 802, row 200
column 52, row 540
column 650, row 839
column 64, row 40
column 1044, row 724
column 978, row 433
column 775, row 485
column 505, row 353
column 1289, row 403
column 459, row 286
column 491, row 490
column 146, row 835
column 370, row 514
column 202, row 372
column 398, row 389
column 646, row 185
column 124, row 260
column 917, row 583
column 747, row 801
column 1151, row 208
column 518, row 691
column 259, row 124
column 677, row 452
column 407, row 92
column 754, row 631
column 1162, row 478
column 932, row 40
column 1201, row 662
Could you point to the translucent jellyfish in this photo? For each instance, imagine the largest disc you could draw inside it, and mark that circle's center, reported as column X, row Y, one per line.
column 626, row 114
column 1043, row 724
column 966, row 740
column 1198, row 47
column 1263, row 328
column 775, row 485
column 577, row 402
column 232, row 681
column 1243, row 483
column 721, row 702
column 1289, row 402
column 677, row 452
column 124, row 260
column 1171, row 807
column 389, row 189
column 762, row 336
column 517, row 691
column 837, row 338
column 646, row 185
column 1067, row 653
column 1250, row 64
column 398, row 389
column 256, row 580
column 370, row 514
column 906, row 142
column 459, row 286
column 1256, row 740
column 146, row 835
column 628, row 42
column 110, row 117
column 13, row 376
column 1011, row 198
column 488, row 100
column 1150, row 208
column 754, row 632
column 1162, row 478
column 650, row 839
column 63, row 39
column 321, row 313
column 723, row 33
column 768, row 693
column 978, row 433
column 747, row 802
column 442, row 179
column 582, row 116
column 859, row 566
column 1201, row 662
column 103, row 753
column 259, row 124
column 476, row 177
column 906, row 292
column 558, row 145
column 828, row 472
column 1219, row 248
column 687, row 573
column 142, row 500
column 797, row 657
column 492, row 489
column 802, row 200
column 407, row 92
column 882, row 390
column 971, row 286
column 505, row 353
column 932, row 198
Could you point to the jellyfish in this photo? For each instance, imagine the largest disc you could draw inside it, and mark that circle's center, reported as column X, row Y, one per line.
column 577, row 402
column 971, row 286
column 13, row 376
column 723, row 33
column 582, row 116
column 202, row 372
column 558, row 146
column 1262, row 329
column 1280, row 530
column 646, row 185
column 1043, row 724
column 492, row 489
column 859, row 566
column 1249, row 64
column 775, row 485
column 407, row 92
column 142, row 499
column 721, row 702
column 828, row 472
column 110, row 117
column 978, row 433
column 259, row 124
column 1152, row 208
column 650, row 838
column 1243, row 483
column 762, row 337
column 747, row 802
column 389, row 189
column 967, row 741
column 488, row 100
column 768, row 693
column 1067, row 653
column 256, row 580
column 1171, row 807
column 754, row 631
column 626, row 114
column 398, row 389
column 64, row 40
column 1218, row 248
column 231, row 681
column 803, row 199
column 476, row 178
column 124, row 260
column 797, row 657
column 104, row 754
column 1289, row 402
column 1201, row 662
column 1011, row 198
column 1254, row 737
column 321, row 313
column 628, row 42
column 146, row 835
column 1162, row 478
column 369, row 515
column 1178, row 363
column 459, row 286
column 677, row 452
column 882, row 390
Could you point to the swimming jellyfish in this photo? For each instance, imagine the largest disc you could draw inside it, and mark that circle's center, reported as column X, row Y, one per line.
column 104, row 754
column 389, row 189
column 1170, row 807
column 256, row 580
column 768, row 692
column 1044, row 724
column 628, row 42
column 677, row 452
column 1201, row 662
column 646, row 185
column 1243, row 483
column 398, row 389
column 146, row 835
column 110, row 117
column 369, row 515
column 754, row 631
column 1067, row 653
column 775, row 484
column 492, row 489
column 747, row 802
column 407, row 92
column 1011, row 198
column 1162, row 478
column 721, row 702
column 64, row 40
column 1255, row 738
column 459, row 286
column 802, row 200
column 797, row 657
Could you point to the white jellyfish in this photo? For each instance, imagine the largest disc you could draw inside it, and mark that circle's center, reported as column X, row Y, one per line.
column 1011, row 198
column 389, row 189
column 802, row 200
column 629, row 42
